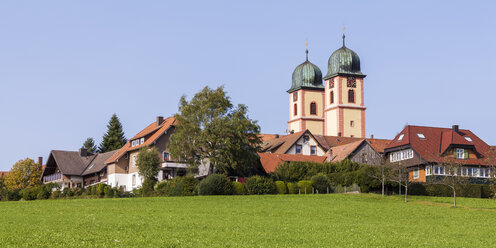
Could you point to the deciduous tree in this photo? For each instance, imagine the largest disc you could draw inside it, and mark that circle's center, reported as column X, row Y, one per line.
column 24, row 174
column 148, row 161
column 114, row 138
column 210, row 128
column 453, row 178
column 399, row 173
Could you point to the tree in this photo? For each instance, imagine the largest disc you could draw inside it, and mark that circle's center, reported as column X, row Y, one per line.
column 454, row 177
column 114, row 138
column 400, row 174
column 148, row 164
column 379, row 170
column 210, row 128
column 89, row 145
column 24, row 174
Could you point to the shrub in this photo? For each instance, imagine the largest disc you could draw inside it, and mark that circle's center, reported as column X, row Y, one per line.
column 77, row 191
column 292, row 188
column 147, row 189
column 29, row 194
column 305, row 187
column 215, row 184
column 239, row 188
column 100, row 189
column 162, row 188
column 257, row 185
column 321, row 183
column 108, row 191
column 56, row 194
column 67, row 192
column 281, row 187
column 93, row 189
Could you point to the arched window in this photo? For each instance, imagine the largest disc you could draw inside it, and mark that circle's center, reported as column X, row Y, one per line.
column 351, row 96
column 313, row 108
column 332, row 97
column 295, row 111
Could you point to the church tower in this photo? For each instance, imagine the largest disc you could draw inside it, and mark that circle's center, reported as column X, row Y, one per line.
column 344, row 108
column 306, row 99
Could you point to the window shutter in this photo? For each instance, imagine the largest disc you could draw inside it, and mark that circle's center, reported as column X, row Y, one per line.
column 465, row 154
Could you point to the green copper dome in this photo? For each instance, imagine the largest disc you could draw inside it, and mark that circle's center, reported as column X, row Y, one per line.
column 306, row 75
column 344, row 61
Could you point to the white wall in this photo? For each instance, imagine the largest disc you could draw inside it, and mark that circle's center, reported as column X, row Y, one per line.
column 305, row 147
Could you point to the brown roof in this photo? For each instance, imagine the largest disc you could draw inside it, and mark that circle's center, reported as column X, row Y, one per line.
column 331, row 141
column 267, row 137
column 152, row 130
column 3, row 173
column 270, row 161
column 342, row 152
column 281, row 144
column 72, row 163
column 436, row 142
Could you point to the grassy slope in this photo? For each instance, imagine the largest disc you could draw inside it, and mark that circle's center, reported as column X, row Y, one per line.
column 241, row 221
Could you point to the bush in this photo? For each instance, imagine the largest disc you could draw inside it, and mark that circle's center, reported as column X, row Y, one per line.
column 321, row 183
column 162, row 188
column 305, row 187
column 281, row 187
column 93, row 189
column 239, row 188
column 178, row 186
column 147, row 189
column 100, row 190
column 215, row 184
column 77, row 191
column 29, row 194
column 257, row 185
column 108, row 191
column 292, row 188
column 56, row 194
column 67, row 192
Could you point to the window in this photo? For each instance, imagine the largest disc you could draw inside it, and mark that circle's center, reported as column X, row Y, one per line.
column 134, row 180
column 351, row 96
column 142, row 140
column 436, row 170
column 464, row 172
column 332, row 97
column 295, row 96
column 415, row 173
column 313, row 108
column 468, row 139
column 476, row 172
column 331, row 83
column 166, row 156
column 134, row 161
column 441, row 170
column 298, row 149
column 313, row 150
column 295, row 110
column 421, row 135
column 401, row 137
column 428, row 171
column 460, row 153
column 401, row 155
column 469, row 170
column 306, row 138
column 352, row 123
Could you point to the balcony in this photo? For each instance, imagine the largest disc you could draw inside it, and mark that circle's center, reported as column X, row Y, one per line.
column 52, row 177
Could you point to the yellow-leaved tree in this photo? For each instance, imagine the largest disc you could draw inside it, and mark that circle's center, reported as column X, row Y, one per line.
column 24, row 174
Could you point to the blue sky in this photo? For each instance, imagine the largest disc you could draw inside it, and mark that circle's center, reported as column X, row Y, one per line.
column 67, row 66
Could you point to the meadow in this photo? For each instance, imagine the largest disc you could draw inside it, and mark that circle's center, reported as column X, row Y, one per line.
column 334, row 220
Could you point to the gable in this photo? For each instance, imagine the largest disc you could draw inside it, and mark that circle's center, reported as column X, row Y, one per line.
column 306, row 141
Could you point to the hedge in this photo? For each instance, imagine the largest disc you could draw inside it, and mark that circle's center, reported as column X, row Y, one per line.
column 440, row 190
column 281, row 187
column 215, row 184
column 257, row 185
column 239, row 188
column 292, row 188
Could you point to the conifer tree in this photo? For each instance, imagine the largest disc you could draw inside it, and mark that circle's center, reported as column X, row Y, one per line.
column 89, row 145
column 114, row 138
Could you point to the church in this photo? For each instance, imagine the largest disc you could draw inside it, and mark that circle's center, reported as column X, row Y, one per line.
column 332, row 105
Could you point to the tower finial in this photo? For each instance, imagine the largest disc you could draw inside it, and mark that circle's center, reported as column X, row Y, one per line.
column 343, row 34
column 306, row 51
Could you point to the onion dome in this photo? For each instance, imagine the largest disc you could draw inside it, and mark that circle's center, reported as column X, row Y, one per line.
column 344, row 61
column 306, row 76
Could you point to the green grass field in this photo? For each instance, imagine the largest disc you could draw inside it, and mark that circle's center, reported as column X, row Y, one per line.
column 333, row 220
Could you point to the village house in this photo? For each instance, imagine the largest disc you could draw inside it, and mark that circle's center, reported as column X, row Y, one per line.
column 75, row 169
column 429, row 151
column 121, row 167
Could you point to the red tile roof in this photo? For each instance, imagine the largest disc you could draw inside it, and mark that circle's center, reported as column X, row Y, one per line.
column 437, row 140
column 281, row 144
column 153, row 130
column 342, row 152
column 270, row 161
column 3, row 173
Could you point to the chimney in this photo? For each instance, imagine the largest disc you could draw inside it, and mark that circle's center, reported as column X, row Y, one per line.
column 372, row 136
column 160, row 119
column 83, row 152
column 40, row 161
column 339, row 134
column 329, row 158
column 455, row 128
column 277, row 136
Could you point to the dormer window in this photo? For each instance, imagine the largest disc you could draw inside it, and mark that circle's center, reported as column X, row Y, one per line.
column 468, row 139
column 421, row 135
column 460, row 153
column 142, row 140
column 401, row 137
